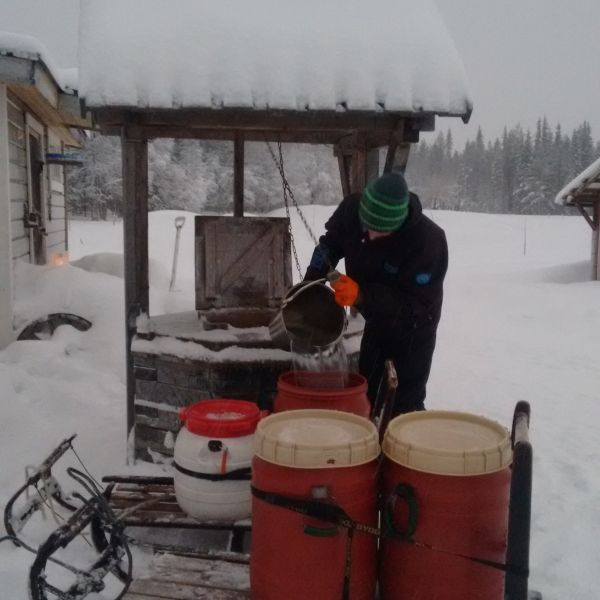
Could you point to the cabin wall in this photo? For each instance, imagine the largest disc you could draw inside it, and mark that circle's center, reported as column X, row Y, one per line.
column 18, row 177
column 22, row 123
column 56, row 223
column 596, row 242
column 6, row 275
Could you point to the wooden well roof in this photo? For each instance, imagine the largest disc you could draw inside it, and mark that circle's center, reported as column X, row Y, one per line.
column 269, row 65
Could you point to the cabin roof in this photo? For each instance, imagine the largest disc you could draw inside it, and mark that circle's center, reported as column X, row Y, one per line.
column 382, row 56
column 583, row 189
column 20, row 45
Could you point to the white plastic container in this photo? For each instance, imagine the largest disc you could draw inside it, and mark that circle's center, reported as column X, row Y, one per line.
column 213, row 456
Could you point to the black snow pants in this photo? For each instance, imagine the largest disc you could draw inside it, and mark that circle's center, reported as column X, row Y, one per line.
column 411, row 352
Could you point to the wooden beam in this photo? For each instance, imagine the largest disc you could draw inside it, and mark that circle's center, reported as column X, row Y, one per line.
column 135, row 245
column 267, row 120
column 586, row 216
column 238, row 174
column 375, row 139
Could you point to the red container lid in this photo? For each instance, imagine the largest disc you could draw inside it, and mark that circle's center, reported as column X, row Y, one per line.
column 221, row 418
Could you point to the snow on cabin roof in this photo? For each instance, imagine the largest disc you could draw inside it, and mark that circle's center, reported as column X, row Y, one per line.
column 25, row 46
column 587, row 176
column 393, row 55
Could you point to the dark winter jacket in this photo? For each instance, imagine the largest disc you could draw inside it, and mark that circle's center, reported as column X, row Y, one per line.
column 400, row 276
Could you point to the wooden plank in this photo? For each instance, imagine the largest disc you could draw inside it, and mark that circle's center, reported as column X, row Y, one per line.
column 17, row 172
column 218, row 575
column 343, row 121
column 54, row 224
column 17, row 191
column 375, row 138
column 15, row 100
column 190, row 563
column 55, row 238
column 57, row 247
column 16, row 134
column 17, row 210
column 238, row 174
column 16, row 153
column 150, row 589
column 57, row 213
column 56, row 184
column 17, row 230
column 16, row 115
column 20, row 247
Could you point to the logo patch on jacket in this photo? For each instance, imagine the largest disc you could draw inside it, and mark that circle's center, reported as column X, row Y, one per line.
column 392, row 269
column 423, row 278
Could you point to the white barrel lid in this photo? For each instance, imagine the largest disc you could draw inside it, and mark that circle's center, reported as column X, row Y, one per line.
column 447, row 443
column 316, row 439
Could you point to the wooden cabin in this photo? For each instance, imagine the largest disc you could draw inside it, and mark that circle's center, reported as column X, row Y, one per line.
column 363, row 78
column 583, row 193
column 37, row 112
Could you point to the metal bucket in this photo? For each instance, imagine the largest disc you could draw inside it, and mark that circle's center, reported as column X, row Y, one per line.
column 309, row 318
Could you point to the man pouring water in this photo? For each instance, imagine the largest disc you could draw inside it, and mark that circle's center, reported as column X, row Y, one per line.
column 396, row 260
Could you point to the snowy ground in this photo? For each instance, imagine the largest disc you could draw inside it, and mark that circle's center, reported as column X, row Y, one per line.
column 520, row 321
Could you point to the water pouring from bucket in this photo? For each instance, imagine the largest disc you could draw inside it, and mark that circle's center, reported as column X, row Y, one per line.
column 311, row 324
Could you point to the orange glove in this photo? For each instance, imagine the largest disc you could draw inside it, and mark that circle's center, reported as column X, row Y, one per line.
column 346, row 290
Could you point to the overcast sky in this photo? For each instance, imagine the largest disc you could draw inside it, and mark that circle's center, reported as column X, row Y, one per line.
column 524, row 58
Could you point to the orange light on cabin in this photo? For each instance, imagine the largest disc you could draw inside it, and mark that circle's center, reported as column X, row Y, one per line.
column 58, row 259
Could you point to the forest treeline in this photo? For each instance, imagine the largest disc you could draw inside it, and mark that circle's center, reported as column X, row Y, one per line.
column 521, row 172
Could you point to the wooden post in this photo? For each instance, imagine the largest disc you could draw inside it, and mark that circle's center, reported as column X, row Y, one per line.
column 596, row 242
column 398, row 150
column 135, row 237
column 238, row 174
column 344, row 161
column 358, row 166
column 6, row 263
column 372, row 171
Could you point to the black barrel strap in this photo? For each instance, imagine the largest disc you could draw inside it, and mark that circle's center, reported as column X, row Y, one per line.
column 244, row 474
column 325, row 511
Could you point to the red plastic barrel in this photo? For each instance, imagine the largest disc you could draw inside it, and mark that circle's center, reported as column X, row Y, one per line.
column 330, row 390
column 457, row 466
column 313, row 454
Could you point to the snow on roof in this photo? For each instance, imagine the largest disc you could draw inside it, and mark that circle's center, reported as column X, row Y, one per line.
column 566, row 194
column 393, row 55
column 70, row 78
column 28, row 47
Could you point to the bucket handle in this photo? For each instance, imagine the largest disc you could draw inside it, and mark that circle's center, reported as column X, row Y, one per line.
column 405, row 493
column 308, row 284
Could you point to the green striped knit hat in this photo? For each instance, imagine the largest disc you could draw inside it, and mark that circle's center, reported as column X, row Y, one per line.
column 384, row 203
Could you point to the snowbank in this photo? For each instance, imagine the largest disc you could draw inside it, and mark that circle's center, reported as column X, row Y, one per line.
column 520, row 321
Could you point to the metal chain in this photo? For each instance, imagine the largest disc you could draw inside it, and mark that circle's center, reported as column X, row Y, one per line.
column 287, row 191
